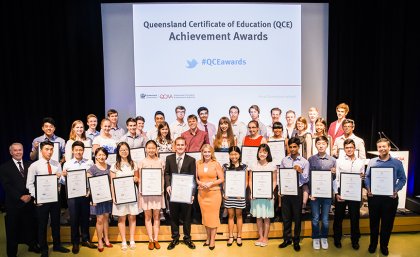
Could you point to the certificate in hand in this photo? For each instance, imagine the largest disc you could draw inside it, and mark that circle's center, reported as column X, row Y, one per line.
column 56, row 151
column 151, row 181
column 321, row 183
column 182, row 187
column 112, row 158
column 235, row 184
column 278, row 152
column 46, row 188
column 249, row 154
column 262, row 184
column 137, row 154
column 163, row 155
column 100, row 189
column 195, row 155
column 87, row 153
column 76, row 183
column 288, row 181
column 382, row 181
column 222, row 157
column 124, row 190
column 350, row 186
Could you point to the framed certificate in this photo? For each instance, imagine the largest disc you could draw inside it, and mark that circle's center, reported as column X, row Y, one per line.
column 182, row 188
column 76, row 183
column 341, row 153
column 195, row 155
column 151, row 181
column 315, row 151
column 124, row 190
column 278, row 151
column 350, row 186
column 163, row 155
column 112, row 158
column 56, row 152
column 100, row 189
column 87, row 153
column 288, row 181
column 382, row 181
column 137, row 154
column 222, row 157
column 249, row 154
column 46, row 188
column 235, row 183
column 262, row 184
column 321, row 183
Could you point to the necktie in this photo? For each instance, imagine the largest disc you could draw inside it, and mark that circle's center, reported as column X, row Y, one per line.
column 178, row 163
column 312, row 127
column 205, row 128
column 49, row 168
column 21, row 169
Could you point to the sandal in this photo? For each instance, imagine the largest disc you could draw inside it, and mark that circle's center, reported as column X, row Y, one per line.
column 237, row 243
column 228, row 242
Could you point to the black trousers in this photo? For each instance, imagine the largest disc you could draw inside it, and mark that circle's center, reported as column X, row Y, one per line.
column 79, row 209
column 183, row 211
column 44, row 211
column 340, row 212
column 291, row 210
column 381, row 209
column 21, row 227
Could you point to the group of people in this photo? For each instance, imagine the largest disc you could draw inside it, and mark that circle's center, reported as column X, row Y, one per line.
column 309, row 146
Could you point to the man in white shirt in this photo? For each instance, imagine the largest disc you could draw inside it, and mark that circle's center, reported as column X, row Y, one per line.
column 348, row 127
column 275, row 117
column 159, row 118
column 254, row 112
column 179, row 126
column 290, row 124
column 239, row 128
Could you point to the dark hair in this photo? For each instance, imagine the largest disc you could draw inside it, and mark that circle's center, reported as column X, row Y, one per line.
column 380, row 140
column 293, row 140
column 234, row 107
column 255, row 122
column 111, row 111
column 266, row 148
column 159, row 113
column 140, row 118
column 192, row 116
column 180, row 138
column 101, row 149
column 234, row 149
column 77, row 143
column 202, row 108
column 130, row 161
column 321, row 138
column 48, row 120
column 349, row 141
column 152, row 142
column 46, row 143
column 277, row 125
column 180, row 107
column 159, row 135
column 275, row 109
column 348, row 121
column 130, row 120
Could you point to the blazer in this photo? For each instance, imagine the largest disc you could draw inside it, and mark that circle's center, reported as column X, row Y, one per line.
column 188, row 167
column 14, row 184
column 331, row 131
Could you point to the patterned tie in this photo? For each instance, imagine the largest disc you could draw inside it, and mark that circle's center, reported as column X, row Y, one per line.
column 21, row 169
column 49, row 168
column 178, row 163
column 312, row 128
column 205, row 128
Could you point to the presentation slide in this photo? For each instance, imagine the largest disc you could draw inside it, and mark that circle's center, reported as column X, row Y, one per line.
column 216, row 55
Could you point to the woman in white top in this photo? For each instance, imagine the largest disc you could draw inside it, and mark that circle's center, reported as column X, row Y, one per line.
column 125, row 166
column 77, row 133
column 105, row 139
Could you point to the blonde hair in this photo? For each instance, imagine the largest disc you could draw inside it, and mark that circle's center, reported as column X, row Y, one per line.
column 213, row 157
column 303, row 120
column 73, row 135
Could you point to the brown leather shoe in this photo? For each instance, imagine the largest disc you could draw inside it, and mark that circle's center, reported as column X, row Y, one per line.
column 151, row 246
column 157, row 245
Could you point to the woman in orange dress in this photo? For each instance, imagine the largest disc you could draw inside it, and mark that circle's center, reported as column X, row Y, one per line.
column 209, row 177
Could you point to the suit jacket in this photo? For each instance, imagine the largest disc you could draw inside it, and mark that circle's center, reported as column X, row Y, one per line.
column 188, row 167
column 14, row 184
column 331, row 131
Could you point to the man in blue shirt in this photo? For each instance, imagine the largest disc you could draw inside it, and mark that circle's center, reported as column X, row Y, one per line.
column 382, row 209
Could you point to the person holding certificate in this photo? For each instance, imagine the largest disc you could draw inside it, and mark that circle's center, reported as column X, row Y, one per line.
column 125, row 166
column 321, row 206
column 382, row 208
column 224, row 137
column 180, row 163
column 348, row 127
column 101, row 210
column 164, row 140
column 263, row 209
column 46, row 166
column 209, row 177
column 78, row 206
column 349, row 164
column 133, row 139
column 253, row 138
column 77, row 133
column 235, row 205
column 152, row 204
column 292, row 204
column 105, row 139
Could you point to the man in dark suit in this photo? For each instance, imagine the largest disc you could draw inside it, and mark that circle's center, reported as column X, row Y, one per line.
column 20, row 219
column 182, row 164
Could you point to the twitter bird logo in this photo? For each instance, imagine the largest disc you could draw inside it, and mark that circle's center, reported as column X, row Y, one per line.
column 191, row 64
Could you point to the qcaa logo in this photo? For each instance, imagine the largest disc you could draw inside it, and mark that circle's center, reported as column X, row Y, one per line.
column 166, row 96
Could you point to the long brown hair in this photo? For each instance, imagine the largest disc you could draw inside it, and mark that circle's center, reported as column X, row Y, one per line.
column 219, row 135
column 130, row 161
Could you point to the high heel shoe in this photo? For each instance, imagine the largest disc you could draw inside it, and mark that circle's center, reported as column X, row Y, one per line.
column 206, row 244
column 230, row 244
column 238, row 244
column 109, row 245
column 100, row 249
column 212, row 247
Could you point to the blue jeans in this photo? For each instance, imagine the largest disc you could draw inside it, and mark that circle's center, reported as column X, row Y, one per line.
column 320, row 207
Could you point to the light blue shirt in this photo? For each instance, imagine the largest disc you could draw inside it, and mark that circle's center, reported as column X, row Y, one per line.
column 289, row 162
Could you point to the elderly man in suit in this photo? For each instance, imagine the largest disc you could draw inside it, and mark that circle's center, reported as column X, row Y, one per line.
column 20, row 219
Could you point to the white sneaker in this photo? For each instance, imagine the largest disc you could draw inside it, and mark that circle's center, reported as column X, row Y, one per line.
column 315, row 244
column 324, row 243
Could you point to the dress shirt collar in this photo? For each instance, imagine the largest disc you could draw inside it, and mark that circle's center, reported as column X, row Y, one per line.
column 298, row 158
column 53, row 137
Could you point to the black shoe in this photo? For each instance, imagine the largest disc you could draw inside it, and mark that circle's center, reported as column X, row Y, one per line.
column 372, row 248
column 212, row 247
column 89, row 245
column 337, row 244
column 173, row 243
column 190, row 244
column 34, row 248
column 384, row 250
column 285, row 244
column 230, row 244
column 75, row 249
column 206, row 244
column 355, row 245
column 296, row 246
column 60, row 249
column 239, row 244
